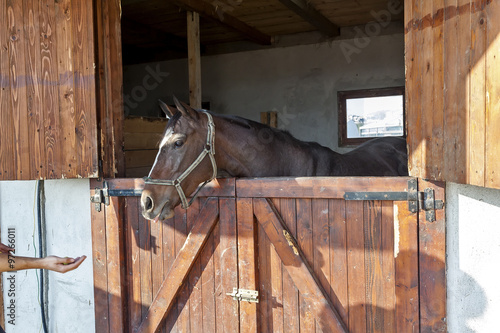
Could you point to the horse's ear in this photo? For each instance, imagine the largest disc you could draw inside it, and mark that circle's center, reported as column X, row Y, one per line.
column 169, row 111
column 185, row 109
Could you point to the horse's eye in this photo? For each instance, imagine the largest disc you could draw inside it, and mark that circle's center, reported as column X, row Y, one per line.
column 178, row 143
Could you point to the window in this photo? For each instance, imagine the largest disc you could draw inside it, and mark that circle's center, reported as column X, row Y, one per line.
column 370, row 113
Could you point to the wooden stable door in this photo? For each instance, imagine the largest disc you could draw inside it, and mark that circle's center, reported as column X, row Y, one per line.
column 322, row 253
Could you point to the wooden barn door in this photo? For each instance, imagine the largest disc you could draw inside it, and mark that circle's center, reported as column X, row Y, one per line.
column 323, row 255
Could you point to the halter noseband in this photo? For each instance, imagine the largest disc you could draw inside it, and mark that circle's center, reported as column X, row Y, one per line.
column 208, row 150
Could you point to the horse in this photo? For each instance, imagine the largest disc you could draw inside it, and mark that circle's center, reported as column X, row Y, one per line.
column 201, row 144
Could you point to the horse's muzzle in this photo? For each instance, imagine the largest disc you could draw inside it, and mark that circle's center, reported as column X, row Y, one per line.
column 152, row 208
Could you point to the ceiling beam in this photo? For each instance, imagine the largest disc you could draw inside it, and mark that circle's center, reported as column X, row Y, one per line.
column 147, row 34
column 306, row 10
column 216, row 13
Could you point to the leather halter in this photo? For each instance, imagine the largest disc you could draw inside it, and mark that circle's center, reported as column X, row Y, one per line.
column 208, row 150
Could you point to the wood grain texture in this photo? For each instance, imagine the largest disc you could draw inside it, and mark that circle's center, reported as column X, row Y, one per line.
column 180, row 268
column 31, row 13
column 356, row 266
column 432, row 266
column 18, row 101
column 133, row 262
column 247, row 273
column 406, row 266
column 297, row 267
column 492, row 175
column 7, row 166
column 115, row 258
column 477, row 120
column 99, row 257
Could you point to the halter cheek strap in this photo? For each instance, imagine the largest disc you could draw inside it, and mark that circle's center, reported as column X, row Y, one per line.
column 208, row 150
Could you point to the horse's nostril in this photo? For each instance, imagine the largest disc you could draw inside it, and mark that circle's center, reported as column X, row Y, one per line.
column 148, row 204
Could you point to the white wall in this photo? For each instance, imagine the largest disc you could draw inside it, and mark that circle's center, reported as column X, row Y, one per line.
column 67, row 212
column 300, row 82
column 473, row 257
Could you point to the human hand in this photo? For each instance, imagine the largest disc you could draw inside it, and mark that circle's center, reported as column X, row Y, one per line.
column 62, row 265
column 5, row 249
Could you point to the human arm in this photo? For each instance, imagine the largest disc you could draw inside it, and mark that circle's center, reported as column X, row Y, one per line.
column 9, row 262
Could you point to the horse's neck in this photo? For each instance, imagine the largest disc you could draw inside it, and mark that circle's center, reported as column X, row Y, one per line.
column 252, row 153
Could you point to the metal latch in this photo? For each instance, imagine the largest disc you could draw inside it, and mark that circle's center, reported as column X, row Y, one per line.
column 101, row 196
column 416, row 200
column 244, row 295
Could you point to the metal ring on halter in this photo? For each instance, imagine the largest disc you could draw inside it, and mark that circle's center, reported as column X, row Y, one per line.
column 208, row 150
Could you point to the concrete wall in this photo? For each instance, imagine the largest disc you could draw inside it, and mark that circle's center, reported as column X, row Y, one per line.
column 70, row 295
column 300, row 82
column 473, row 257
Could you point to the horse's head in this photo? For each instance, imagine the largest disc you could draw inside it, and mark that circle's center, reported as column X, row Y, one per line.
column 184, row 160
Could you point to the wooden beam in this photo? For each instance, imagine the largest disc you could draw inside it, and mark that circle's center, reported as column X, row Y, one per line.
column 180, row 268
column 208, row 10
column 194, row 61
column 295, row 263
column 305, row 9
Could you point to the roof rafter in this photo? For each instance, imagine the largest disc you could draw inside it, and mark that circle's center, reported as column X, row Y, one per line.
column 216, row 13
column 306, row 10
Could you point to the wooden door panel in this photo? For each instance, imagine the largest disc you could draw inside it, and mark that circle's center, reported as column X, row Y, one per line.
column 319, row 262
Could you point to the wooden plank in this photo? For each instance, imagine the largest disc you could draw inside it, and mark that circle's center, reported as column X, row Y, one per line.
column 168, row 229
column 406, row 268
column 66, row 87
column 276, row 279
column 454, row 91
column 291, row 313
column 477, row 120
column 209, row 10
column 321, row 240
column 182, row 323
column 246, row 263
column 144, row 125
column 265, row 318
column 305, row 243
column 115, row 91
column 100, row 268
column 307, row 11
column 36, row 138
column 133, row 263
column 140, row 158
column 338, row 258
column 195, row 285
column 356, row 266
column 316, row 187
column 296, row 264
column 374, row 260
column 432, row 266
column 493, row 96
column 156, row 250
column 427, row 87
column 18, row 101
column 220, row 187
column 413, row 72
column 388, row 282
column 437, row 141
column 116, row 265
column 49, row 89
column 145, row 260
column 7, row 169
column 228, row 266
column 208, row 279
column 462, row 129
column 181, row 266
column 194, row 59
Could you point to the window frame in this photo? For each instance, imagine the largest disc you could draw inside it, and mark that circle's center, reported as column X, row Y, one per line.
column 342, row 96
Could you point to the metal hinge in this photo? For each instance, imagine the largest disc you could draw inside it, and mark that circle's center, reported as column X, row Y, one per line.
column 416, row 200
column 244, row 295
column 101, row 196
